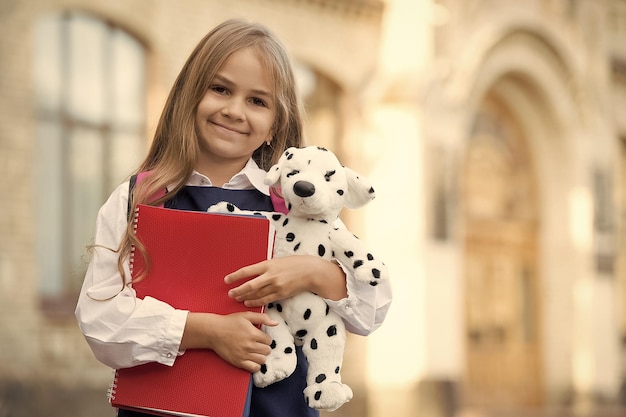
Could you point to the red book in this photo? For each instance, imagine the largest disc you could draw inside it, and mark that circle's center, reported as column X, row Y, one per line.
column 190, row 254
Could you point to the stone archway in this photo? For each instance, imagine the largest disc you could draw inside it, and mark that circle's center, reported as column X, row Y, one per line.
column 528, row 84
column 502, row 335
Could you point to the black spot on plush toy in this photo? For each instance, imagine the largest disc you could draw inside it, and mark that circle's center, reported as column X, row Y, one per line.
column 315, row 187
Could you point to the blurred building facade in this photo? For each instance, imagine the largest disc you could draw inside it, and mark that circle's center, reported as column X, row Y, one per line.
column 493, row 130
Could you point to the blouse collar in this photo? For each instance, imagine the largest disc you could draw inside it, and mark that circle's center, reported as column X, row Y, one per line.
column 251, row 176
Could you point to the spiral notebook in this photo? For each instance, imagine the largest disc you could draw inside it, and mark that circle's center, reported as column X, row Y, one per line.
column 189, row 255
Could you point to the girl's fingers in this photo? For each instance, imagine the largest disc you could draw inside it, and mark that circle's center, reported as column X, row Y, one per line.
column 245, row 272
column 253, row 290
column 258, row 302
column 262, row 318
column 257, row 298
column 245, row 289
column 253, row 365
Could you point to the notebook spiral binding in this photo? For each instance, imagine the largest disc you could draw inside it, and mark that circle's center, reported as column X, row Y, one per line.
column 111, row 391
column 131, row 256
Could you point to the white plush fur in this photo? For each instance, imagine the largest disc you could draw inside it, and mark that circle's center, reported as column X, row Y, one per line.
column 315, row 187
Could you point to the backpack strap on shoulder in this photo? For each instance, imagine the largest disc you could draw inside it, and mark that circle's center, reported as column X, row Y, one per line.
column 278, row 201
column 136, row 179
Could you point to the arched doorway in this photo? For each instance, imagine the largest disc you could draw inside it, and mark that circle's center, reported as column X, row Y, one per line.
column 503, row 356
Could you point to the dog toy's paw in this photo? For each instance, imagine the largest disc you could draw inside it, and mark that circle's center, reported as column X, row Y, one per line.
column 276, row 368
column 223, row 207
column 328, row 395
column 371, row 270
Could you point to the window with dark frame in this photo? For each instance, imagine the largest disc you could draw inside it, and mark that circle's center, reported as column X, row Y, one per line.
column 89, row 87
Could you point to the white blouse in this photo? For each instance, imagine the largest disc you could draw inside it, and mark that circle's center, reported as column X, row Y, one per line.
column 125, row 331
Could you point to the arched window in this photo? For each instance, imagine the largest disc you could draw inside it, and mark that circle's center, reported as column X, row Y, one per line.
column 321, row 97
column 89, row 91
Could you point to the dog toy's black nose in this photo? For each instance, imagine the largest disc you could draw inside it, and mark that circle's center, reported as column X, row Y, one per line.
column 304, row 189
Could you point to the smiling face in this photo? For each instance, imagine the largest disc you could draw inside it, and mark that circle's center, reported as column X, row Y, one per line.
column 236, row 115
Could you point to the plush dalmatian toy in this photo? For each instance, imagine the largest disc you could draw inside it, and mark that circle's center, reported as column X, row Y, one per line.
column 315, row 187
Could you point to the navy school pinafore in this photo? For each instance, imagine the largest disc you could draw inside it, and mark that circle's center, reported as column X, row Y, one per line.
column 281, row 399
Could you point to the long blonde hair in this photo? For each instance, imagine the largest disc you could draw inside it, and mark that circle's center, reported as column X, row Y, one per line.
column 175, row 147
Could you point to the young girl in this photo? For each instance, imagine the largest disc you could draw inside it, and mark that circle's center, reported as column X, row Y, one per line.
column 231, row 113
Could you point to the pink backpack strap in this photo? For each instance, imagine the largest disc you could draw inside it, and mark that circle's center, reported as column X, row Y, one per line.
column 141, row 175
column 138, row 178
column 278, row 202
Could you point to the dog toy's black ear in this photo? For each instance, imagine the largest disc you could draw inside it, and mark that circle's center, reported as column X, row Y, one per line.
column 360, row 191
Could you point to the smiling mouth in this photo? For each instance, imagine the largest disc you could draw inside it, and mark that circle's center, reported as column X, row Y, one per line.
column 230, row 129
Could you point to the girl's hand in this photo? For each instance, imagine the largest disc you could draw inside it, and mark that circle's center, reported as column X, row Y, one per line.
column 236, row 337
column 284, row 277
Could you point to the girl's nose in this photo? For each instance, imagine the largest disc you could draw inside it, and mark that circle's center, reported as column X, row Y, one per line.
column 234, row 108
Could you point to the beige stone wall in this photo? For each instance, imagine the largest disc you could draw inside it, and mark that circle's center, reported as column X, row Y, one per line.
column 549, row 62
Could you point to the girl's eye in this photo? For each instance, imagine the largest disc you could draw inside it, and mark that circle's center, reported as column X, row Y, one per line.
column 258, row 102
column 219, row 89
